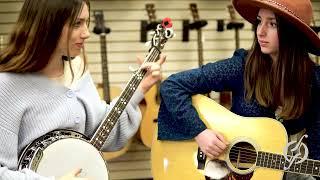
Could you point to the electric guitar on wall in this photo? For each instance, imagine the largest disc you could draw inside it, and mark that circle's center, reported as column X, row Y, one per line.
column 258, row 147
column 152, row 99
column 60, row 151
column 106, row 91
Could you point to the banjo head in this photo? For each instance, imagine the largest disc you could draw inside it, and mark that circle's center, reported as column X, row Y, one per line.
column 66, row 155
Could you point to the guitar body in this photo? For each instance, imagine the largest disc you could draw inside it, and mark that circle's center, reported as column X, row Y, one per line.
column 178, row 159
column 60, row 152
column 150, row 116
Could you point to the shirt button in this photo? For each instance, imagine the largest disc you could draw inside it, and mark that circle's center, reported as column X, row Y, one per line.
column 70, row 94
column 77, row 120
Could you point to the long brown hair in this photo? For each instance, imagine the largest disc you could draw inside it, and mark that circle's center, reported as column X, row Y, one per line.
column 37, row 33
column 285, row 82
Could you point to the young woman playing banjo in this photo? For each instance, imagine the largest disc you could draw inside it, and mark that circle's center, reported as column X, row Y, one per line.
column 35, row 99
column 276, row 78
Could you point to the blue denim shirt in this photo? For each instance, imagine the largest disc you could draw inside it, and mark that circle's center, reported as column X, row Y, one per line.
column 178, row 120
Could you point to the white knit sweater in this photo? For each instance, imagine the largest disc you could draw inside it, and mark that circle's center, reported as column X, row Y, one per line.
column 32, row 105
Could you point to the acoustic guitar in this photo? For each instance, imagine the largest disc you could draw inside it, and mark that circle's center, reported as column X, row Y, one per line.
column 106, row 92
column 151, row 99
column 60, row 151
column 258, row 146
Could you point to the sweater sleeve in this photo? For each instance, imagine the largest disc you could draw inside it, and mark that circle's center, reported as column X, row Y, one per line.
column 11, row 112
column 178, row 119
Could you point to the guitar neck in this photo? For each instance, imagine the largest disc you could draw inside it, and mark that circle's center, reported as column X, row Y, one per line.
column 196, row 18
column 277, row 161
column 200, row 48
column 110, row 120
column 105, row 71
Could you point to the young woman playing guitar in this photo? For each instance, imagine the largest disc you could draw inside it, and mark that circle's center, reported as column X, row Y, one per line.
column 34, row 99
column 275, row 78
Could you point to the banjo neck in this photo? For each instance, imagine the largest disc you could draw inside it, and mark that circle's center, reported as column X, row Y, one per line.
column 162, row 34
column 111, row 119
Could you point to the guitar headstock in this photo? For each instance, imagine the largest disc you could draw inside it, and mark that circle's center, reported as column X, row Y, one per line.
column 99, row 27
column 151, row 12
column 194, row 11
column 232, row 12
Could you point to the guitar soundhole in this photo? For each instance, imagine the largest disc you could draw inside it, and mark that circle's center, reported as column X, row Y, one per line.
column 242, row 156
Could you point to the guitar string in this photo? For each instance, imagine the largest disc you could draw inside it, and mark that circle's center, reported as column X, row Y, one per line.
column 127, row 93
column 245, row 157
column 273, row 164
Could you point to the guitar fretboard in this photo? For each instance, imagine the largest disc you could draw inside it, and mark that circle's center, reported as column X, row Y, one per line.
column 112, row 117
column 277, row 161
column 104, row 64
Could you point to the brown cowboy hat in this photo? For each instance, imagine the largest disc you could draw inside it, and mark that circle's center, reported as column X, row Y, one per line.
column 298, row 12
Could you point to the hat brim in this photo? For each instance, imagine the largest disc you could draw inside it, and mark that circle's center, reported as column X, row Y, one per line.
column 249, row 9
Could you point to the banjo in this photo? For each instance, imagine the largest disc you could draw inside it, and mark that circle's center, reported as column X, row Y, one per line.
column 61, row 151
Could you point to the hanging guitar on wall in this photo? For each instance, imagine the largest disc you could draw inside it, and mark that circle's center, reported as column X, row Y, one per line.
column 197, row 24
column 152, row 97
column 106, row 91
column 151, row 24
column 225, row 96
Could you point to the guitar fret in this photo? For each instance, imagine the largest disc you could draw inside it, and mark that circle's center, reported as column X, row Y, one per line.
column 312, row 167
column 268, row 164
column 264, row 160
column 276, row 161
column 304, row 167
column 279, row 162
column 259, row 159
column 273, row 162
column 282, row 162
column 317, row 167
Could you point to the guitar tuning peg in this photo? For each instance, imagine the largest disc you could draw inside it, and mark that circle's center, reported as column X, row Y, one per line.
column 148, row 43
